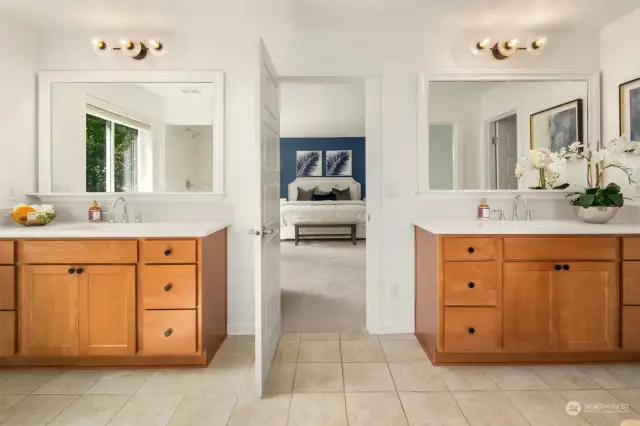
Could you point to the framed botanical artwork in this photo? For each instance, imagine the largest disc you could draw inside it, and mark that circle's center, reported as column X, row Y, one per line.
column 557, row 127
column 308, row 163
column 630, row 109
column 339, row 163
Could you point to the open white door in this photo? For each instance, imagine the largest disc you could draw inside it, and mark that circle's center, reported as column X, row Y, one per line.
column 267, row 240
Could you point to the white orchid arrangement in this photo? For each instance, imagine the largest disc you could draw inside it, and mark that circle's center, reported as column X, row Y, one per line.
column 549, row 165
column 600, row 159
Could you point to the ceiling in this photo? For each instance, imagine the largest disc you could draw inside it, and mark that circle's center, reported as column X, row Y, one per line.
column 317, row 15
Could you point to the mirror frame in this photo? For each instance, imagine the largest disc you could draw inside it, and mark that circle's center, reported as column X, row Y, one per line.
column 47, row 78
column 424, row 79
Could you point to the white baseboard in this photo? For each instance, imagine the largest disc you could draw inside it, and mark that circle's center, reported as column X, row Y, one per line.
column 241, row 329
column 397, row 329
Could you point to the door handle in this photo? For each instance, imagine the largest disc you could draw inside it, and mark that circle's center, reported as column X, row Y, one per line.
column 267, row 231
column 255, row 232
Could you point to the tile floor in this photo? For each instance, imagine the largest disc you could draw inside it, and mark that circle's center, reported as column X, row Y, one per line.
column 322, row 379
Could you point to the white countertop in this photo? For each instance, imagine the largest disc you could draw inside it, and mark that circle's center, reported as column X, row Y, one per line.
column 113, row 230
column 535, row 227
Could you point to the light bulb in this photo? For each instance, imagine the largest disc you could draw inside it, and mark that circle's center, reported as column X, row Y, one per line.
column 156, row 48
column 130, row 48
column 484, row 43
column 99, row 45
column 534, row 46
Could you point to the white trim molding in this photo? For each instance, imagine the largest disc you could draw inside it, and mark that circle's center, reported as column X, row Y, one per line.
column 422, row 149
column 47, row 78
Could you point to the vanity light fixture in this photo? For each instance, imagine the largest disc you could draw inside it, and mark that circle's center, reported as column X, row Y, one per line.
column 503, row 49
column 134, row 49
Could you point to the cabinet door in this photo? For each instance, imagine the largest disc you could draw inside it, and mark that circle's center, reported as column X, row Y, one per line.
column 584, row 306
column 49, row 310
column 527, row 302
column 107, row 310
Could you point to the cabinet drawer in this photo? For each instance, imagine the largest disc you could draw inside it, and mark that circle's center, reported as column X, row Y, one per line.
column 631, row 248
column 630, row 330
column 470, row 248
column 168, row 251
column 470, row 284
column 561, row 248
column 7, row 333
column 169, row 287
column 78, row 252
column 631, row 283
column 169, row 332
column 6, row 253
column 472, row 330
column 7, row 288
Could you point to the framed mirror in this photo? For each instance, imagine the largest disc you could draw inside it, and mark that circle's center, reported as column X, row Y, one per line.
column 474, row 128
column 131, row 132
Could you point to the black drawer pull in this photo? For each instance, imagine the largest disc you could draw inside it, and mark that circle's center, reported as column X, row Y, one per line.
column 168, row 333
column 80, row 271
column 471, row 250
column 566, row 267
column 471, row 330
column 168, row 287
column 558, row 267
column 167, row 252
column 471, row 285
column 71, row 271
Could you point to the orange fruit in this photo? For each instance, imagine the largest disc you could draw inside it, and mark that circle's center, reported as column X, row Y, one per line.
column 20, row 214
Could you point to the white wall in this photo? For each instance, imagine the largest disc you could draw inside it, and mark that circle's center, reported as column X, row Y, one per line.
column 322, row 109
column 18, row 50
column 189, row 158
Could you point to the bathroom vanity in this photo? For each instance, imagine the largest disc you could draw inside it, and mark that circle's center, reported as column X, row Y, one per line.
column 112, row 294
column 527, row 292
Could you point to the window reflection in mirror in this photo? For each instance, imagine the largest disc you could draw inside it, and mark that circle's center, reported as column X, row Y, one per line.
column 479, row 130
column 132, row 137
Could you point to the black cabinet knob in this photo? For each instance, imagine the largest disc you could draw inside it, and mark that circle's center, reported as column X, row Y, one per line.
column 471, row 250
column 71, row 271
column 168, row 287
column 558, row 267
column 566, row 267
column 80, row 271
column 168, row 333
column 167, row 252
column 471, row 285
column 471, row 330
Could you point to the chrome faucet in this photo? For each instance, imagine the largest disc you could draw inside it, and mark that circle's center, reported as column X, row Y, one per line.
column 125, row 215
column 517, row 198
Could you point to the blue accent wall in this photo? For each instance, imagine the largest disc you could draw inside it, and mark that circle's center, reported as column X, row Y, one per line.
column 289, row 146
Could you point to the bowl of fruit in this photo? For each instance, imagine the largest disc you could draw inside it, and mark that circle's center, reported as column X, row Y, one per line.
column 34, row 215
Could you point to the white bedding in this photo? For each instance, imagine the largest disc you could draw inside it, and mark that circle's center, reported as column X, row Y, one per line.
column 299, row 212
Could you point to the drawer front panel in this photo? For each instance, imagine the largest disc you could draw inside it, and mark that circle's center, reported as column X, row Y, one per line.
column 561, row 248
column 472, row 330
column 169, row 287
column 78, row 252
column 631, row 283
column 7, row 288
column 470, row 249
column 7, row 256
column 470, row 284
column 631, row 248
column 169, row 332
column 630, row 330
column 7, row 333
column 168, row 251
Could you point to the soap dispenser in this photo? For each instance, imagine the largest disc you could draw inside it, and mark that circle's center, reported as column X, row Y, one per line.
column 484, row 212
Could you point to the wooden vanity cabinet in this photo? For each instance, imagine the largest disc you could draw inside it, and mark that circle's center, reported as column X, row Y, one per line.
column 631, row 293
column 512, row 299
column 118, row 302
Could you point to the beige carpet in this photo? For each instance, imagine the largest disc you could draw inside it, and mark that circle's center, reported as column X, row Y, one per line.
column 323, row 286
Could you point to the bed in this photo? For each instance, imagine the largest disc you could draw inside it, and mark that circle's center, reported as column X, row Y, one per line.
column 294, row 212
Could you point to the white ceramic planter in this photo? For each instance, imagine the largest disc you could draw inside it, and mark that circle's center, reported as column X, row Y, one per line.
column 596, row 214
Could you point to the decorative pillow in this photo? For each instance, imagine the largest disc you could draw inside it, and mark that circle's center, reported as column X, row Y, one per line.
column 305, row 194
column 323, row 196
column 342, row 194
